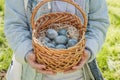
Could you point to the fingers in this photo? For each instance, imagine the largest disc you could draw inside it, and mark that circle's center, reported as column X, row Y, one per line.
column 82, row 62
column 86, row 54
column 30, row 57
column 37, row 66
column 33, row 63
column 40, row 68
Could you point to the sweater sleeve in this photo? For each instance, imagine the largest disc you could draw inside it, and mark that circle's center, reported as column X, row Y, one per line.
column 98, row 23
column 16, row 29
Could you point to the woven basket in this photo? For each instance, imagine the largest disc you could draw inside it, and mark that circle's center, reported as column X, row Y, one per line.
column 58, row 60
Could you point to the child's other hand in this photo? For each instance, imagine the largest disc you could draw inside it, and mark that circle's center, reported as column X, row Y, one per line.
column 82, row 62
column 38, row 67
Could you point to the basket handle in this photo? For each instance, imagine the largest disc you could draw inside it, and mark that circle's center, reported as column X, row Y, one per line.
column 68, row 1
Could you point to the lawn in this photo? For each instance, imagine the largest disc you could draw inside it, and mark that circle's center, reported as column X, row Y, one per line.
column 108, row 58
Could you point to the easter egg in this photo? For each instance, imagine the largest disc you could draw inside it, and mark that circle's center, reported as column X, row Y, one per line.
column 72, row 42
column 53, row 42
column 46, row 39
column 50, row 45
column 51, row 33
column 60, row 46
column 61, row 39
column 62, row 32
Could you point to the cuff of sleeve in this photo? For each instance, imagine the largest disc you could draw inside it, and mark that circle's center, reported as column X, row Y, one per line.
column 89, row 54
column 22, row 50
column 26, row 55
column 92, row 47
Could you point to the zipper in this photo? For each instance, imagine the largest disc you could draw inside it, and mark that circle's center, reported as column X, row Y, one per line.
column 90, row 73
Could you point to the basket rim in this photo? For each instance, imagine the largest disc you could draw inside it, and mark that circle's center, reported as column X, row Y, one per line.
column 59, row 13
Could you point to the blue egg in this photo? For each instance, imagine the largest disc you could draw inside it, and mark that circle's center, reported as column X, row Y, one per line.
column 50, row 45
column 51, row 33
column 60, row 46
column 62, row 32
column 53, row 42
column 72, row 42
column 46, row 39
column 61, row 39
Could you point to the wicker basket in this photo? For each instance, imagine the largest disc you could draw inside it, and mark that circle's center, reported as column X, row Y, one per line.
column 58, row 60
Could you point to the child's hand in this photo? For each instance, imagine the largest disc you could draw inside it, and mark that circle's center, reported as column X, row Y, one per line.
column 38, row 67
column 82, row 62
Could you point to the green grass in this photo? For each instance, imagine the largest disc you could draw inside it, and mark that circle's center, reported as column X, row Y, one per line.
column 109, row 52
column 5, row 51
column 111, row 47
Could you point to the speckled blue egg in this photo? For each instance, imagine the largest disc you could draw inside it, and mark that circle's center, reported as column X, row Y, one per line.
column 72, row 42
column 51, row 33
column 61, row 39
column 62, row 32
column 60, row 46
column 50, row 45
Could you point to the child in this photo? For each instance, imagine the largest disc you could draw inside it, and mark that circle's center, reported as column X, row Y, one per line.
column 18, row 33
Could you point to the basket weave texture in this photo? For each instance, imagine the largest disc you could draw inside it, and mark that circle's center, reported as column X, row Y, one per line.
column 58, row 60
